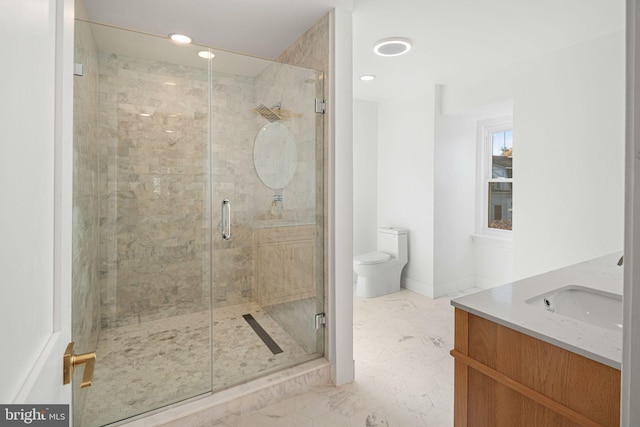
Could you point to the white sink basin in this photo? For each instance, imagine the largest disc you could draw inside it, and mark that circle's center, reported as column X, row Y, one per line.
column 585, row 304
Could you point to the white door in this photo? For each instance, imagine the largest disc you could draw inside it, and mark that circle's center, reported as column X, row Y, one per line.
column 35, row 198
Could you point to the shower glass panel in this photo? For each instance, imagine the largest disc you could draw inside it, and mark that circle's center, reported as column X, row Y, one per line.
column 267, row 162
column 178, row 296
column 142, row 222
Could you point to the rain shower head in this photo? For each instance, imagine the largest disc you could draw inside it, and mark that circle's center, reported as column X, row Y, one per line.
column 267, row 113
column 275, row 113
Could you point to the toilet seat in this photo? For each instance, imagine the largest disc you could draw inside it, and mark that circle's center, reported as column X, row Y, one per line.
column 371, row 258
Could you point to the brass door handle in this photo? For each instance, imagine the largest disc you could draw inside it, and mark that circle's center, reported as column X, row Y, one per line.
column 71, row 361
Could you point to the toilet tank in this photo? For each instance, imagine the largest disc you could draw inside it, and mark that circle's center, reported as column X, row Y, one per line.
column 393, row 241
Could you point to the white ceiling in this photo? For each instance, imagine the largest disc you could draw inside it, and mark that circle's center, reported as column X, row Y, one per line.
column 256, row 27
column 451, row 38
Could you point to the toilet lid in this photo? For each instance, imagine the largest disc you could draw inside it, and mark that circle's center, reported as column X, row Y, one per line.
column 372, row 258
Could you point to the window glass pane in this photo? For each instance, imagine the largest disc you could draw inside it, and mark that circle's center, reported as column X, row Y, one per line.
column 500, row 205
column 502, row 154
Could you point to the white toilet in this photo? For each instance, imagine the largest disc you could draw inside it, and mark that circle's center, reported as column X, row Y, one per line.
column 379, row 272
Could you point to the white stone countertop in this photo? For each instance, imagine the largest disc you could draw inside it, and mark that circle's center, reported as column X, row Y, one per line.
column 506, row 306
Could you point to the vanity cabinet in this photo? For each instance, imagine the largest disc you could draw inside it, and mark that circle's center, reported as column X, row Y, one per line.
column 285, row 264
column 506, row 378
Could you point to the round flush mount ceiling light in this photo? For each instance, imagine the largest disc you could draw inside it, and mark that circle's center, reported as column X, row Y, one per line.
column 393, row 46
column 367, row 77
column 180, row 38
column 205, row 54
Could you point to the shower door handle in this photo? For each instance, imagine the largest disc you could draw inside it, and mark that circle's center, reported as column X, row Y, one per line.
column 226, row 219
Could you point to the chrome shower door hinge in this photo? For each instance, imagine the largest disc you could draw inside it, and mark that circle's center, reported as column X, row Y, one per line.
column 321, row 321
column 321, row 106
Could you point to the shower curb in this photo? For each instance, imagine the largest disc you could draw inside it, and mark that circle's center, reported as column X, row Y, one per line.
column 239, row 400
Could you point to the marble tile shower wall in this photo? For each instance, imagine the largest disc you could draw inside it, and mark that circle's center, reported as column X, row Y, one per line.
column 294, row 89
column 312, row 50
column 155, row 176
column 86, row 203
column 154, row 218
column 234, row 178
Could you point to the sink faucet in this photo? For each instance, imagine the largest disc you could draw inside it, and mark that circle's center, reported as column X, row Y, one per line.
column 620, row 260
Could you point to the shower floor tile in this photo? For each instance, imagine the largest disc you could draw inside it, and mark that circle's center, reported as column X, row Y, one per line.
column 150, row 365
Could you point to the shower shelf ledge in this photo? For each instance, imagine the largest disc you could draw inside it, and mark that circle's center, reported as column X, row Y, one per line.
column 269, row 223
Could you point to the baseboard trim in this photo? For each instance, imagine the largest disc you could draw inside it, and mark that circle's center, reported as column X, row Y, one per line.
column 417, row 287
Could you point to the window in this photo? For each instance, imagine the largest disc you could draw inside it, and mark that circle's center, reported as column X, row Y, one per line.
column 495, row 178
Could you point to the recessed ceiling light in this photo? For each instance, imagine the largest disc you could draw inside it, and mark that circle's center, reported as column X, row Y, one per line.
column 393, row 46
column 367, row 77
column 180, row 38
column 206, row 54
column 145, row 114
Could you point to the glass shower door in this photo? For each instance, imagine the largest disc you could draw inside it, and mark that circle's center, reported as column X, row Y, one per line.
column 198, row 220
column 142, row 225
column 268, row 252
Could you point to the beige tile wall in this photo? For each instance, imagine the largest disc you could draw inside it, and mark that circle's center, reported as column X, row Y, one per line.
column 154, row 217
column 312, row 50
column 86, row 203
column 154, row 176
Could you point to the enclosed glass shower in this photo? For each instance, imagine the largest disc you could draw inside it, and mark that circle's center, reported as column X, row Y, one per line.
column 198, row 220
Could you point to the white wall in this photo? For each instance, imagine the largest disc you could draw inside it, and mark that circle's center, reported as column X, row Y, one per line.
column 569, row 164
column 568, row 136
column 27, row 169
column 459, row 261
column 35, row 220
column 405, row 179
column 493, row 261
column 340, row 203
column 365, row 175
column 568, row 109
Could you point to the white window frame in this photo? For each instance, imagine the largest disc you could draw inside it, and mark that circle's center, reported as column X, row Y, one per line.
column 485, row 128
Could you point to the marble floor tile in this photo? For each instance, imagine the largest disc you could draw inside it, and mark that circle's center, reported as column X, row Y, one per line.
column 404, row 373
